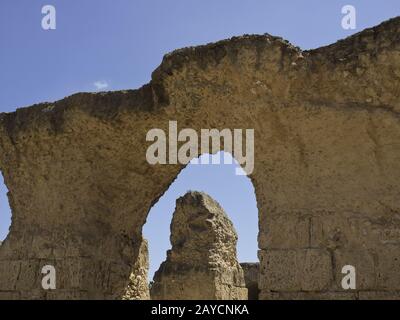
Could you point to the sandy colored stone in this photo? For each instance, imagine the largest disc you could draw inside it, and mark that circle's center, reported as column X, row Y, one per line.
column 295, row 270
column 351, row 229
column 138, row 288
column 327, row 154
column 202, row 262
column 287, row 231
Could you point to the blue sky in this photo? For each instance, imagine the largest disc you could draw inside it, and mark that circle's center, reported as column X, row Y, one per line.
column 112, row 45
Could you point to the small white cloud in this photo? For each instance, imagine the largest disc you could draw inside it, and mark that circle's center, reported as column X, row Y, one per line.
column 100, row 85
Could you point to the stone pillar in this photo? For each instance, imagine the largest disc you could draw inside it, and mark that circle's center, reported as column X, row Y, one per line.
column 202, row 263
column 138, row 287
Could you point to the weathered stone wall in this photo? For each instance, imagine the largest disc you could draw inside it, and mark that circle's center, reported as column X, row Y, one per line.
column 202, row 262
column 251, row 271
column 326, row 176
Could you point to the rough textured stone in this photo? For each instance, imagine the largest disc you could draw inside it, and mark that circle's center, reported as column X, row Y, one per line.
column 295, row 270
column 202, row 262
column 327, row 154
column 138, row 288
column 251, row 271
column 364, row 263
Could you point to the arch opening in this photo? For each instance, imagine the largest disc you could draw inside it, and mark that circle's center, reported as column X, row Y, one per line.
column 5, row 211
column 234, row 193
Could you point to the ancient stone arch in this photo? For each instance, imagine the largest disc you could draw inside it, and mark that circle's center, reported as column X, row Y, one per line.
column 326, row 176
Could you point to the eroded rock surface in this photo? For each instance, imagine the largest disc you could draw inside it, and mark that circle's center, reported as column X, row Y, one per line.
column 138, row 287
column 326, row 171
column 202, row 262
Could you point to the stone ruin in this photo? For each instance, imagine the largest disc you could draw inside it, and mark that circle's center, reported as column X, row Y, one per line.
column 251, row 271
column 138, row 285
column 326, row 168
column 202, row 263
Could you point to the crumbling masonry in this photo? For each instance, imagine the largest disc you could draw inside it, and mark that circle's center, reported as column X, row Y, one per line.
column 326, row 176
column 202, row 263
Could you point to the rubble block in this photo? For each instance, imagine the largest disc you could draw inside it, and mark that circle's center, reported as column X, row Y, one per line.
column 202, row 263
column 286, row 231
column 355, row 229
column 138, row 287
